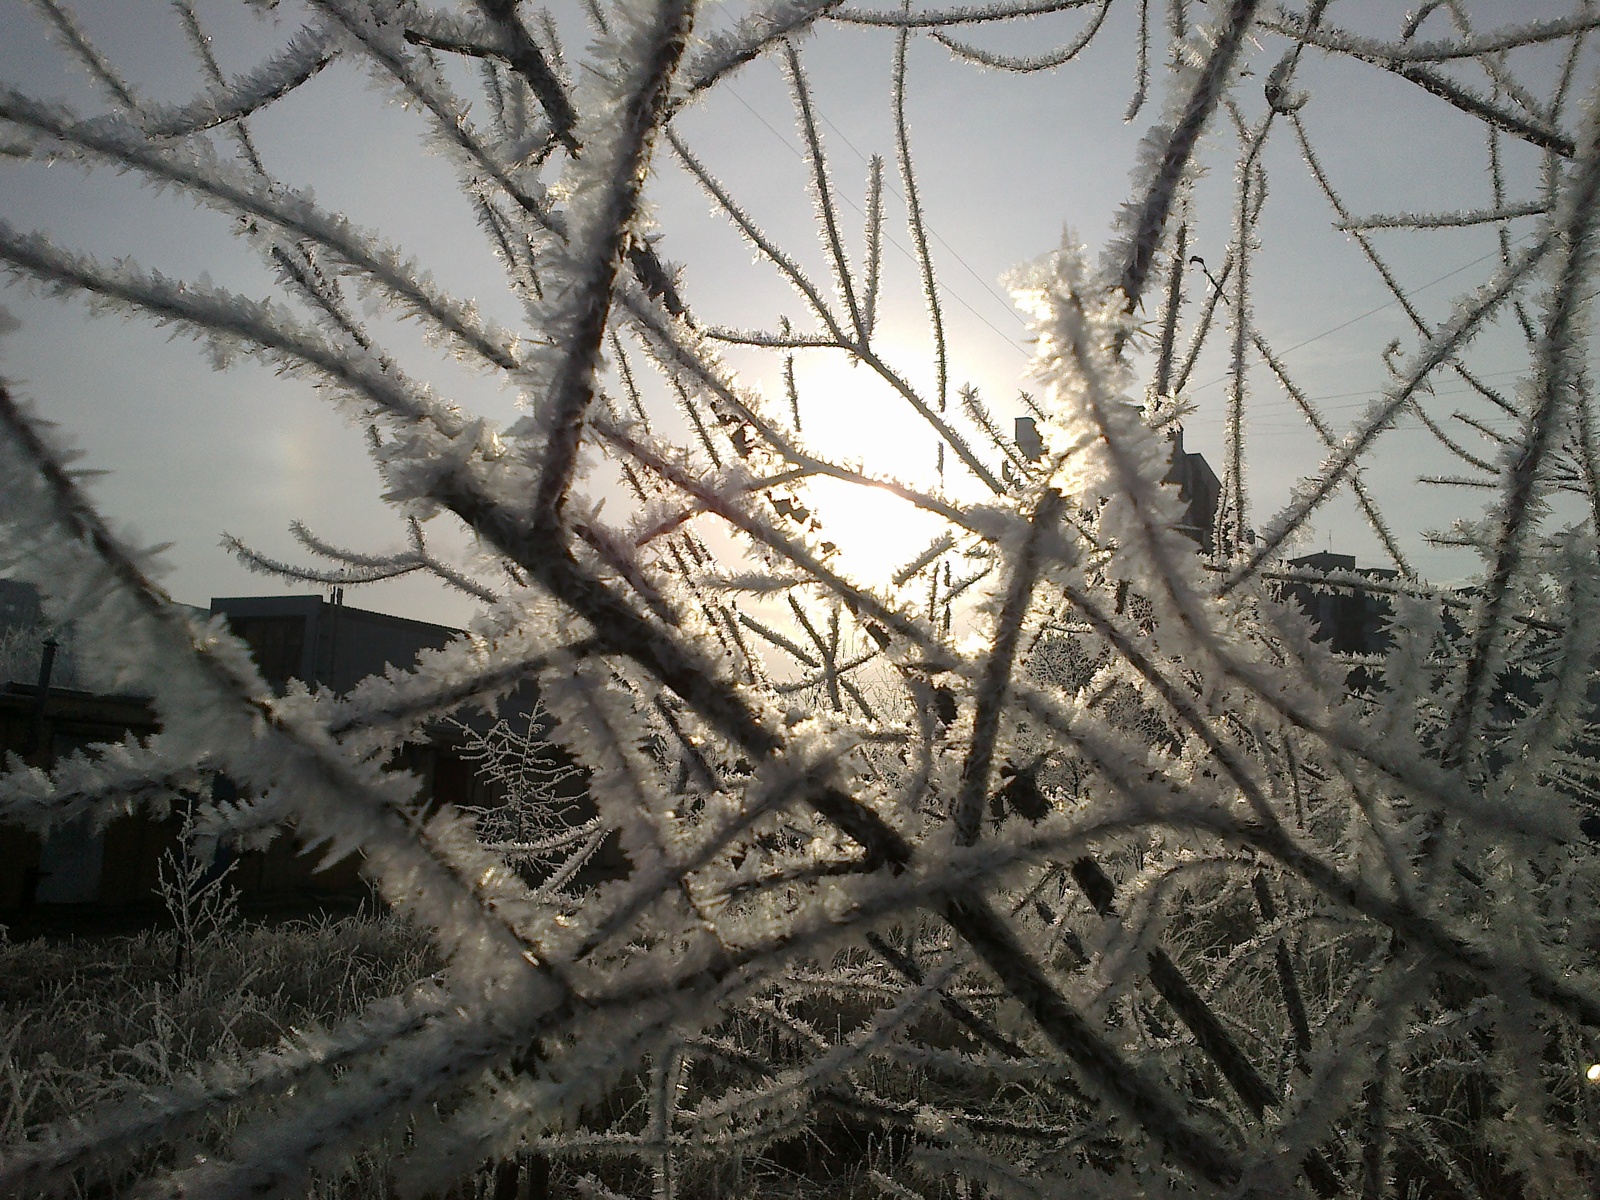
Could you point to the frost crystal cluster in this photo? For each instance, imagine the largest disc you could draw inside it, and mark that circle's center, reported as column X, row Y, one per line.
column 1061, row 857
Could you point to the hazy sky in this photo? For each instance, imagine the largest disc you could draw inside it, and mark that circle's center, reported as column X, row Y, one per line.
column 1004, row 162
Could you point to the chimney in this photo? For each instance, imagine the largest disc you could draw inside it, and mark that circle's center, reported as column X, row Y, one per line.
column 1028, row 440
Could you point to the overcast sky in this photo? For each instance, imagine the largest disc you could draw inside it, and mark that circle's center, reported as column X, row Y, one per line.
column 1005, row 163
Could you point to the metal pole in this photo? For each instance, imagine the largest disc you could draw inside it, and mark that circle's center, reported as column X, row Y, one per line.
column 41, row 695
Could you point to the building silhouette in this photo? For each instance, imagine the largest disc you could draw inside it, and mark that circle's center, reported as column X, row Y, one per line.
column 1199, row 489
column 110, row 873
column 1347, row 617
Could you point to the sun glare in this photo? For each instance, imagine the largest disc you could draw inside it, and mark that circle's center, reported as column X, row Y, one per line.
column 876, row 532
column 853, row 418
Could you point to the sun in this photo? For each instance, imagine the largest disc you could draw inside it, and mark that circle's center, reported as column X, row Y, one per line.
column 851, row 417
column 876, row 532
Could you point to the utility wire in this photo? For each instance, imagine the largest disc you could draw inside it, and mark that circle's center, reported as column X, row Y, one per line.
column 1329, row 332
column 1011, row 309
column 889, row 187
column 1380, row 308
column 945, row 287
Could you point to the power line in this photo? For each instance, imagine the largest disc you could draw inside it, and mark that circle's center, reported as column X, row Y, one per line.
column 945, row 287
column 1279, row 423
column 1004, row 302
column 986, row 285
column 1320, row 401
column 982, row 282
column 1373, row 311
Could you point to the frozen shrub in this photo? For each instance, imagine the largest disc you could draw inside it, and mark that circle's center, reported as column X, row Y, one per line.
column 1063, row 859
